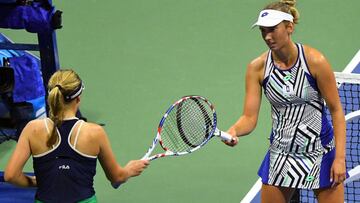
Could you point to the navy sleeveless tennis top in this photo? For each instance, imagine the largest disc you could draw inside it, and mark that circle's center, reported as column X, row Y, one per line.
column 63, row 173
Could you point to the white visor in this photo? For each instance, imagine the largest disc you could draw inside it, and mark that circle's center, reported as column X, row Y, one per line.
column 270, row 18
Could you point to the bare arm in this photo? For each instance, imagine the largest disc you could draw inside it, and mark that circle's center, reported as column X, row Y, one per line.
column 321, row 70
column 14, row 169
column 114, row 172
column 248, row 120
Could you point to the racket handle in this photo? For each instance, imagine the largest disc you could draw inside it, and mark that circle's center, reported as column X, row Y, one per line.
column 145, row 157
column 224, row 136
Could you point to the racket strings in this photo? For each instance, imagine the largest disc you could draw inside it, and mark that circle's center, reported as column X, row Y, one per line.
column 188, row 125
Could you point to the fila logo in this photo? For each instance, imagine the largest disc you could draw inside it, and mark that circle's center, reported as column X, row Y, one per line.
column 64, row 167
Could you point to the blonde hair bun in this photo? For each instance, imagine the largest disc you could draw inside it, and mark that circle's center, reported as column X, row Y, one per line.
column 289, row 2
column 287, row 6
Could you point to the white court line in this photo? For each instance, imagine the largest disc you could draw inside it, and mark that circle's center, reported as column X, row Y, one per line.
column 353, row 63
column 253, row 192
column 354, row 175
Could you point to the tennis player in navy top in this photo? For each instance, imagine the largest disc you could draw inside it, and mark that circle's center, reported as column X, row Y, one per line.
column 65, row 149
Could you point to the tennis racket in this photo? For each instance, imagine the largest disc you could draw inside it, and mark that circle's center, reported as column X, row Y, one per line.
column 186, row 126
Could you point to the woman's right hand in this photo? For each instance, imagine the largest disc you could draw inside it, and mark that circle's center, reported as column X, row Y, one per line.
column 235, row 139
column 136, row 167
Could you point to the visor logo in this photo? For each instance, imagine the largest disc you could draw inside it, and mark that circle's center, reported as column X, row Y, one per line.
column 264, row 14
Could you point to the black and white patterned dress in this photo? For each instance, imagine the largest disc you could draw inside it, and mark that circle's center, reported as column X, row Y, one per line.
column 301, row 148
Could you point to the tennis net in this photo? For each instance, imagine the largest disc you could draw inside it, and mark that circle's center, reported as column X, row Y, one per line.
column 349, row 92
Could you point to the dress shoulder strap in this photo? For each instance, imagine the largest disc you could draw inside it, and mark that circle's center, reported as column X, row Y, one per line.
column 302, row 58
column 268, row 65
column 46, row 124
column 78, row 132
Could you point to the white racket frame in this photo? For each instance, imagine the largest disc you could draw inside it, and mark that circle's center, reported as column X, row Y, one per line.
column 214, row 132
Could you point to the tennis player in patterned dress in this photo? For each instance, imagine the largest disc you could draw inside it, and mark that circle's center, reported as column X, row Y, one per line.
column 65, row 149
column 305, row 151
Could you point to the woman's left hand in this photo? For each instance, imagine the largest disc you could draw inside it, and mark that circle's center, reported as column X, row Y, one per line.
column 338, row 171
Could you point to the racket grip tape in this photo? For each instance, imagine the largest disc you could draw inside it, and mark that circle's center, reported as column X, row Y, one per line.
column 226, row 136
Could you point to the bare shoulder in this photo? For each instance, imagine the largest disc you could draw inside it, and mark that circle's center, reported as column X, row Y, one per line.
column 93, row 130
column 316, row 60
column 34, row 129
column 258, row 63
column 36, row 122
column 313, row 56
column 35, row 125
column 255, row 68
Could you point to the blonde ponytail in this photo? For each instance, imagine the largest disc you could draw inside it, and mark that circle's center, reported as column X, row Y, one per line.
column 56, row 106
column 61, row 83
